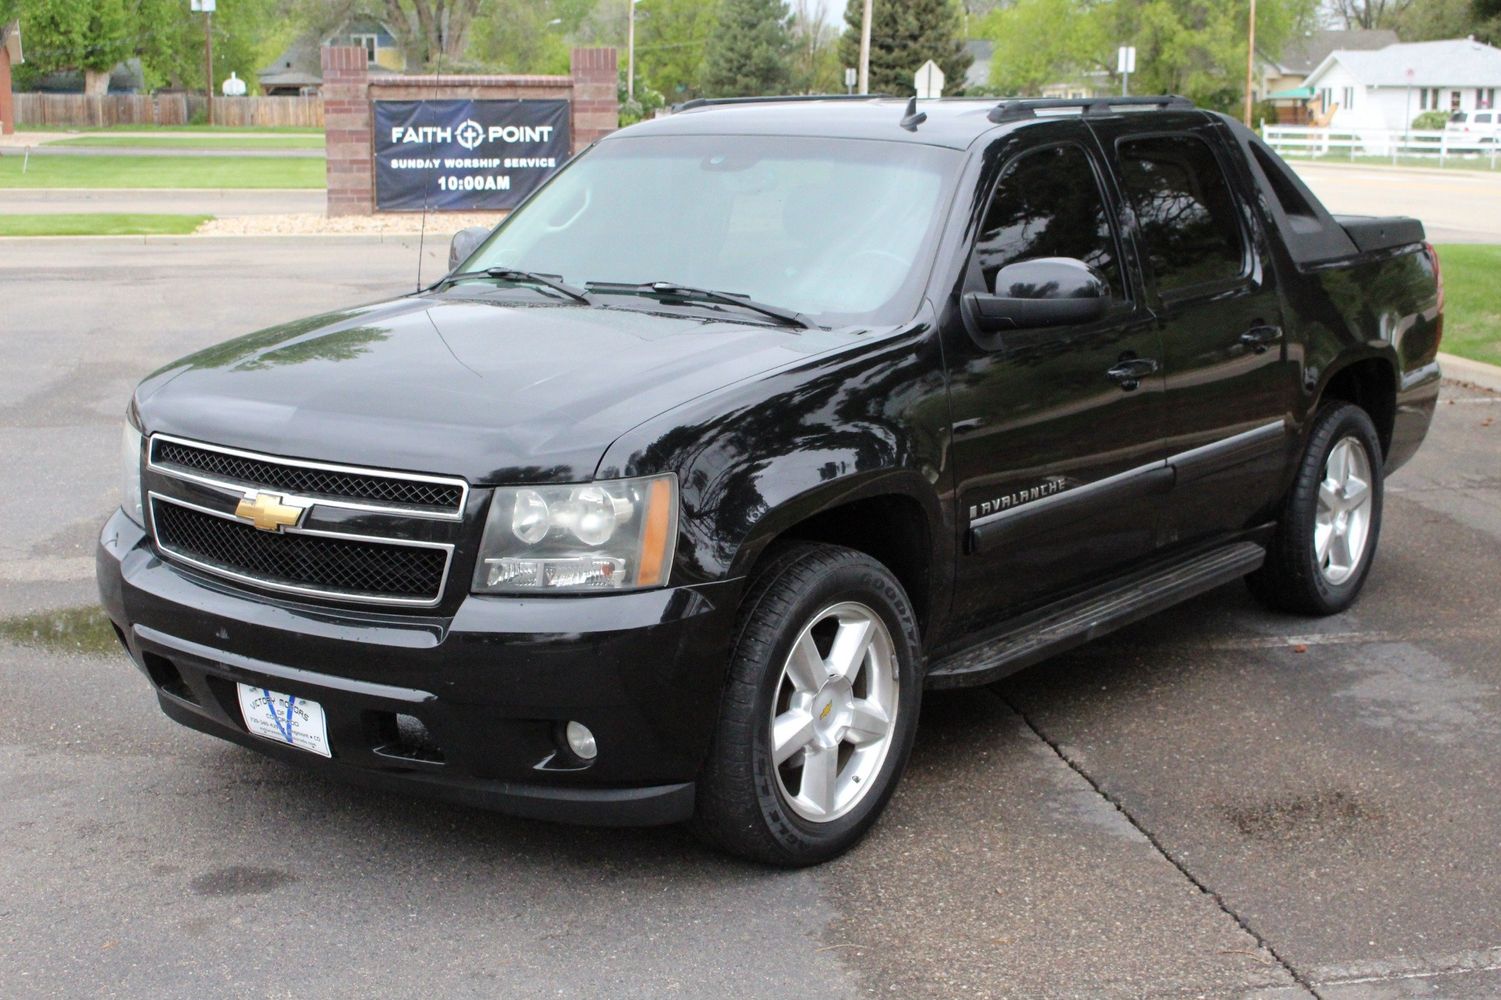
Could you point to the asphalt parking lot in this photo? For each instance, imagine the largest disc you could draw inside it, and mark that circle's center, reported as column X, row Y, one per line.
column 1217, row 802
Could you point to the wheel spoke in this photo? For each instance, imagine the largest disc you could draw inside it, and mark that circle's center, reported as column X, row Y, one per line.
column 805, row 667
column 1339, row 462
column 820, row 771
column 850, row 645
column 1328, row 496
column 790, row 732
column 869, row 722
column 1339, row 554
column 1357, row 492
column 1322, row 535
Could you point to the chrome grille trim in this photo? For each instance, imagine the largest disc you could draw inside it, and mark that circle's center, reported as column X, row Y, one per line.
column 153, row 498
column 243, row 487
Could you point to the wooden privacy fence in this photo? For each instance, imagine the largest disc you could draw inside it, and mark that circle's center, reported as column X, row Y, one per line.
column 165, row 109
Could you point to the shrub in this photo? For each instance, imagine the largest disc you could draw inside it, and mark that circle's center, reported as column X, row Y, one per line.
column 1430, row 121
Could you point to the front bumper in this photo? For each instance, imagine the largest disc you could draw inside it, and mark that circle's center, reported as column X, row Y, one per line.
column 492, row 685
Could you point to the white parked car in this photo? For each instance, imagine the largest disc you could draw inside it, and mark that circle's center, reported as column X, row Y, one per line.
column 1474, row 126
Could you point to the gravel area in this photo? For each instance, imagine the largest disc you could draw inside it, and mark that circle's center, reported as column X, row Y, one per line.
column 314, row 224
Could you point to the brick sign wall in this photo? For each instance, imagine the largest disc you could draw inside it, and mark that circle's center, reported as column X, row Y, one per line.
column 349, row 92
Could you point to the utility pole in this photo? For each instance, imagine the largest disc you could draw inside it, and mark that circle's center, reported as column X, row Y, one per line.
column 206, row 8
column 865, row 50
column 1250, row 62
column 630, row 52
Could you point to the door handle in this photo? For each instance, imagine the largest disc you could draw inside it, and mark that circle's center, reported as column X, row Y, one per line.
column 1259, row 338
column 1129, row 373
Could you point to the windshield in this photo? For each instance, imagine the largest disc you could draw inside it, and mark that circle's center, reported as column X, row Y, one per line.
column 838, row 230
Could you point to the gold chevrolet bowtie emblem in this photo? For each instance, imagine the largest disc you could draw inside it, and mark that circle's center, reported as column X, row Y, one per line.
column 267, row 512
column 826, row 710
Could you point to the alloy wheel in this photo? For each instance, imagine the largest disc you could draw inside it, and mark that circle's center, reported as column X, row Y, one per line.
column 1342, row 522
column 833, row 715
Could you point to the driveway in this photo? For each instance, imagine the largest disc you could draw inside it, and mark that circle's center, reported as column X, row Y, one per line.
column 1219, row 801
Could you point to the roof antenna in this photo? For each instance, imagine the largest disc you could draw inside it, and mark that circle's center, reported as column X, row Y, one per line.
column 911, row 118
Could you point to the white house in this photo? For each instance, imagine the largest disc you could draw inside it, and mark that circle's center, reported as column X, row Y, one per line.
column 1388, row 88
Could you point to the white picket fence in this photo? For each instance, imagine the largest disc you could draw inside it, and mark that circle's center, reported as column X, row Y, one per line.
column 1393, row 144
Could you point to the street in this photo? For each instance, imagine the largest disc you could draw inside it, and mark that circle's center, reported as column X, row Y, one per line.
column 1456, row 206
column 1219, row 801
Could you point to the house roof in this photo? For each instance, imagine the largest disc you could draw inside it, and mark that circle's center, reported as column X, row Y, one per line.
column 1304, row 52
column 1456, row 62
column 301, row 65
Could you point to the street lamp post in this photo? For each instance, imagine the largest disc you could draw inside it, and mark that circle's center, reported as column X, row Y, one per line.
column 206, row 7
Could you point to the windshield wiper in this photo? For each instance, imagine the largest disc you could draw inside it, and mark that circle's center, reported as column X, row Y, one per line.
column 687, row 293
column 524, row 278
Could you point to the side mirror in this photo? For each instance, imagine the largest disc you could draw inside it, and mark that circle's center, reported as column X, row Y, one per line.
column 1047, row 291
column 463, row 244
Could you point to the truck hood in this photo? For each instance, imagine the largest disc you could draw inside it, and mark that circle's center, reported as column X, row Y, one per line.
column 489, row 389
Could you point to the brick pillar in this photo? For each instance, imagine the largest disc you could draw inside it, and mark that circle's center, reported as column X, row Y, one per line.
column 346, row 130
column 596, row 101
column 7, row 104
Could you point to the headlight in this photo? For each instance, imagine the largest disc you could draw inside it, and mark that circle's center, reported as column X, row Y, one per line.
column 130, row 474
column 597, row 536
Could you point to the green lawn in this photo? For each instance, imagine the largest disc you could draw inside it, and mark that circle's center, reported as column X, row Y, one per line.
column 1472, row 301
column 161, row 172
column 208, row 141
column 99, row 224
column 258, row 129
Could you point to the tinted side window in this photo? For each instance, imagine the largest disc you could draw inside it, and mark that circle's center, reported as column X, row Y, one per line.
column 1186, row 212
column 1048, row 204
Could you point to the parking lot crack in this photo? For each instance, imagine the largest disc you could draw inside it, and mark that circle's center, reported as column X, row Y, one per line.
column 1157, row 845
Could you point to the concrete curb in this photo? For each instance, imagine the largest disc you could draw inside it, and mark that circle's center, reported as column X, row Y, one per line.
column 1476, row 373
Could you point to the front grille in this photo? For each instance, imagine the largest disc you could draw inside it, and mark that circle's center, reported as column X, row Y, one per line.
column 301, row 562
column 306, row 479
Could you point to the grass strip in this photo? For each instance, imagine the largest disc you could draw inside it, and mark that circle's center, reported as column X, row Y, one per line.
column 1472, row 300
column 104, row 172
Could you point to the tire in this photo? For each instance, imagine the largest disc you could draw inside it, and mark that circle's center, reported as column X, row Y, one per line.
column 1316, row 564
column 801, row 599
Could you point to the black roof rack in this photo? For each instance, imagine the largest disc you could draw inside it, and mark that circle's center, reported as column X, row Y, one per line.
column 1024, row 107
column 708, row 102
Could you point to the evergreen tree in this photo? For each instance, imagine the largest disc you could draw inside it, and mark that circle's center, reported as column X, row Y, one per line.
column 904, row 34
column 750, row 51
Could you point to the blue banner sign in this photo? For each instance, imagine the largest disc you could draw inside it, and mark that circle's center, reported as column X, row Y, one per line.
column 465, row 155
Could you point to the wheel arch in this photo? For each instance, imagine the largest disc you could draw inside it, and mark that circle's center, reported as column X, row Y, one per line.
column 1369, row 382
column 894, row 517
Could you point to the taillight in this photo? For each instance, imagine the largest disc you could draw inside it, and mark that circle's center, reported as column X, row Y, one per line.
column 1438, row 279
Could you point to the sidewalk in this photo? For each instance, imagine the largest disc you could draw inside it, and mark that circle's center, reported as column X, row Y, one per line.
column 1476, row 373
column 163, row 201
column 24, row 138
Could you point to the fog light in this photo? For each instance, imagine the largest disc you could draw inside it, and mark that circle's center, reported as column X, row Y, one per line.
column 581, row 741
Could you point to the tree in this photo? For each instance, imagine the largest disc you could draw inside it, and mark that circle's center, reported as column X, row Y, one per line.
column 90, row 36
column 1428, row 20
column 815, row 49
column 904, row 34
column 672, row 42
column 749, row 53
column 1368, row 13
column 1038, row 42
column 168, row 39
column 1196, row 49
column 524, row 36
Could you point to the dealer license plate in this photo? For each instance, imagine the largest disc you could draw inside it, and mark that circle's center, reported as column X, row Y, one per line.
column 285, row 718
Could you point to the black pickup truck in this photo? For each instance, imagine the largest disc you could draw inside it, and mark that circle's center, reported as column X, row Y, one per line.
column 668, row 502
